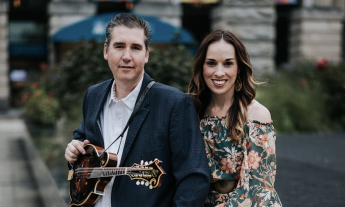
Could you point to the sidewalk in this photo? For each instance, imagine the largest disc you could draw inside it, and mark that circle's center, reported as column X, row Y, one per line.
column 25, row 181
column 17, row 184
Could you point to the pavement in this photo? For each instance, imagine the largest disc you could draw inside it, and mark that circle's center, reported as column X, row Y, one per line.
column 310, row 170
column 25, row 180
column 17, row 183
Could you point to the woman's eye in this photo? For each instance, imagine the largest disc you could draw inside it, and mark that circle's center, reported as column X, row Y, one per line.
column 228, row 63
column 211, row 63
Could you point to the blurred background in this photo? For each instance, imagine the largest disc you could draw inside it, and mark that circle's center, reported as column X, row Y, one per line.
column 51, row 51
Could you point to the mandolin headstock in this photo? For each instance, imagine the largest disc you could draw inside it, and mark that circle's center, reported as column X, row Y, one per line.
column 147, row 173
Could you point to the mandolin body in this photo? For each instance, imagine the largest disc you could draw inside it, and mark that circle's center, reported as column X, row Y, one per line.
column 85, row 191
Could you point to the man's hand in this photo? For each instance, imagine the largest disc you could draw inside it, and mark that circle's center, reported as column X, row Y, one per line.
column 74, row 148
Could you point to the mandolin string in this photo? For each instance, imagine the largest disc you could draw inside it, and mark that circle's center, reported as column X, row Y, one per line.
column 109, row 169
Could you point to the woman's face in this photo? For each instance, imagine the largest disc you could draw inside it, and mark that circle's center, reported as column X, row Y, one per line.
column 220, row 68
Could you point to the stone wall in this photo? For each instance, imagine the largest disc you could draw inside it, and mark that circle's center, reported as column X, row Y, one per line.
column 4, row 80
column 253, row 23
column 315, row 33
column 170, row 12
column 66, row 12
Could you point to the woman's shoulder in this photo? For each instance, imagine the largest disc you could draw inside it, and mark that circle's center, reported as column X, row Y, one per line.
column 257, row 111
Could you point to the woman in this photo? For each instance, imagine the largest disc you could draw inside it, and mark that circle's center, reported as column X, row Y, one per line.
column 237, row 130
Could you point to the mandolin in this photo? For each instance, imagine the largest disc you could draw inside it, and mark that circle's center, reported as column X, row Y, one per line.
column 93, row 171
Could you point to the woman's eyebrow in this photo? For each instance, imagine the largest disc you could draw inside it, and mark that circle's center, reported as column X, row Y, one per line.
column 210, row 59
column 229, row 59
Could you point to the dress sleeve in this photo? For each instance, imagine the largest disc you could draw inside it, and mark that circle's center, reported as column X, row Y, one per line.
column 258, row 171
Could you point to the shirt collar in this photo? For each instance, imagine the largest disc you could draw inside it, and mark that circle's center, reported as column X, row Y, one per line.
column 131, row 98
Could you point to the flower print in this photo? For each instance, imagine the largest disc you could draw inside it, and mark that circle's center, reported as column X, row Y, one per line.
column 253, row 159
column 225, row 123
column 227, row 165
column 247, row 203
column 263, row 138
column 271, row 142
column 221, row 205
column 276, row 205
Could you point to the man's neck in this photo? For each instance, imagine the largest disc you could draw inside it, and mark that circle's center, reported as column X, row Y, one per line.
column 124, row 88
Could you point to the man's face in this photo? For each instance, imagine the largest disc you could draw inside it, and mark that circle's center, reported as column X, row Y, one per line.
column 126, row 54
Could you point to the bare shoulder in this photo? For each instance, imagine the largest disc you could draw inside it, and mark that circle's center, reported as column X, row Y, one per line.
column 259, row 112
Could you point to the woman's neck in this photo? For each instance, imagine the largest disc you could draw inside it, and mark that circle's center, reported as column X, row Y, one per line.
column 220, row 104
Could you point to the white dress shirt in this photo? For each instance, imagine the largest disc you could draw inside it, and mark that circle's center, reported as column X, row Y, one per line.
column 113, row 120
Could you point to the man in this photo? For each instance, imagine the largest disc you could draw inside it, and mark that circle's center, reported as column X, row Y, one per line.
column 165, row 126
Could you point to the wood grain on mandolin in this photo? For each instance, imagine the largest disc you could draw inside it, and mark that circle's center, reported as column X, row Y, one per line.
column 92, row 172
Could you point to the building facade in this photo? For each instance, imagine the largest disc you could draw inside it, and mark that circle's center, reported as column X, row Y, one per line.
column 274, row 31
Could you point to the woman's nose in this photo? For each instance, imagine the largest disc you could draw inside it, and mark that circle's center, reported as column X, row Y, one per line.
column 219, row 72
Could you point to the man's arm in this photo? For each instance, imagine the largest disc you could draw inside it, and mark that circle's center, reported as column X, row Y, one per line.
column 190, row 166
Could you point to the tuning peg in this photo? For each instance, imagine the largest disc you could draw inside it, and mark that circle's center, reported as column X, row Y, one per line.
column 142, row 182
column 142, row 162
column 146, row 183
column 138, row 182
column 150, row 187
column 150, row 162
column 146, row 163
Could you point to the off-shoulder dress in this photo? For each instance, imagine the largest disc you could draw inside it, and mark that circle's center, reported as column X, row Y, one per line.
column 252, row 163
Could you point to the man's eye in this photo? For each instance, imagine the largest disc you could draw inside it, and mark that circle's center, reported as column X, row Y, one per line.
column 137, row 48
column 119, row 46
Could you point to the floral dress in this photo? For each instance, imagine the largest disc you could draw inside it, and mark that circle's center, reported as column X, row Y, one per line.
column 252, row 163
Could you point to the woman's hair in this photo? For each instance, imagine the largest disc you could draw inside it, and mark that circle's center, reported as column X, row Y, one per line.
column 201, row 94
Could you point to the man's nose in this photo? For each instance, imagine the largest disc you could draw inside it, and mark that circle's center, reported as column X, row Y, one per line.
column 127, row 57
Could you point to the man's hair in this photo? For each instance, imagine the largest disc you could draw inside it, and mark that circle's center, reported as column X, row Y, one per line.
column 130, row 21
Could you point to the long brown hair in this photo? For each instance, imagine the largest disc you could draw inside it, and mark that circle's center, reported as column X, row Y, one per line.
column 201, row 94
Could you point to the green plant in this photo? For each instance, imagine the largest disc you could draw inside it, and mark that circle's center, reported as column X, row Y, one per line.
column 305, row 98
column 41, row 108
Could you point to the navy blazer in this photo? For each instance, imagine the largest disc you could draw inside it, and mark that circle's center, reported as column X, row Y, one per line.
column 165, row 127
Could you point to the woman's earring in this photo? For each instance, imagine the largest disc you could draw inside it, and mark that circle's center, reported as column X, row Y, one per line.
column 238, row 84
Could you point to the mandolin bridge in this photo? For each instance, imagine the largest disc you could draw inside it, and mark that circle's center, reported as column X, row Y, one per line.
column 70, row 175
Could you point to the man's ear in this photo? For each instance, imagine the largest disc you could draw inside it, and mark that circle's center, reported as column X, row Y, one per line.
column 105, row 52
column 147, row 55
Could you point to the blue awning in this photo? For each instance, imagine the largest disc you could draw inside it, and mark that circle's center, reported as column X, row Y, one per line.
column 94, row 28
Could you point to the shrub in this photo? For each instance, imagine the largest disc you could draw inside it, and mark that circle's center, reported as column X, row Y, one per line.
column 306, row 98
column 41, row 107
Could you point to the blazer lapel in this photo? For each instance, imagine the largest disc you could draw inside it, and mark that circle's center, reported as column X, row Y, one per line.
column 138, row 120
column 99, row 104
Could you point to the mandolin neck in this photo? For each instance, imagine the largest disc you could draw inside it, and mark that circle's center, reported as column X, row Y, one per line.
column 110, row 172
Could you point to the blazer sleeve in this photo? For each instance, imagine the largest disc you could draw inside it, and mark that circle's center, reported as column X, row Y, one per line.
column 79, row 133
column 189, row 160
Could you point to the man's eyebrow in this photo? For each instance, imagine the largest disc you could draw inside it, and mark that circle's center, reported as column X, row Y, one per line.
column 118, row 43
column 137, row 45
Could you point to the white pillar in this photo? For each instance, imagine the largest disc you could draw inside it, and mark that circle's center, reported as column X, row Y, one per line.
column 4, row 66
column 315, row 34
column 165, row 10
column 252, row 22
column 66, row 12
